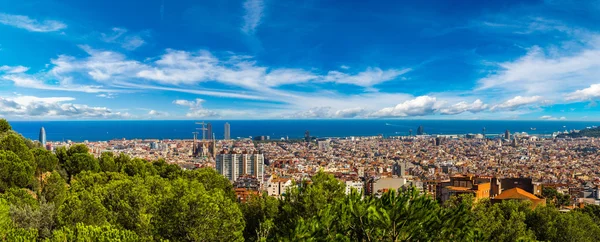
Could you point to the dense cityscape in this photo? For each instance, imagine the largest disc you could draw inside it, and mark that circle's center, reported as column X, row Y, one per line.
column 372, row 165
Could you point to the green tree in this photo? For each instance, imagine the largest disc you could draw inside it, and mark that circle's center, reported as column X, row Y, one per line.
column 8, row 231
column 4, row 126
column 130, row 205
column 45, row 162
column 82, row 207
column 121, row 160
column 107, row 162
column 259, row 213
column 503, row 221
column 139, row 167
column 211, row 180
column 191, row 213
column 14, row 171
column 19, row 196
column 55, row 189
column 556, row 198
column 165, row 170
column 40, row 219
column 593, row 211
column 79, row 162
column 78, row 149
column 82, row 232
column 16, row 144
column 61, row 154
column 549, row 224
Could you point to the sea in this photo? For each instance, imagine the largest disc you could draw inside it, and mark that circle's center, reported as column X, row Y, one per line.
column 79, row 131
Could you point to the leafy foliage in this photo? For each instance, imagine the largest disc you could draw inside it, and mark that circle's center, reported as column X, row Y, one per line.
column 556, row 198
column 4, row 126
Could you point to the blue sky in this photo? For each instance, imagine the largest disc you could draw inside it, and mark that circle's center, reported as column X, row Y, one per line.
column 265, row 59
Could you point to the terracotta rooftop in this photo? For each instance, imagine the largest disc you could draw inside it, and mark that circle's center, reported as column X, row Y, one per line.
column 516, row 193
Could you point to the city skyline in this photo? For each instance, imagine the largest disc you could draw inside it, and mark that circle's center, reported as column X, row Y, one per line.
column 254, row 59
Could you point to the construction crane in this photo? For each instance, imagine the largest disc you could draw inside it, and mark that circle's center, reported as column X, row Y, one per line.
column 203, row 129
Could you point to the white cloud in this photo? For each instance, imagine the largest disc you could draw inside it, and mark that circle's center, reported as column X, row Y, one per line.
column 32, row 82
column 99, row 65
column 106, row 95
column 29, row 24
column 120, row 36
column 195, row 108
column 177, row 67
column 53, row 107
column 461, row 107
column 548, row 117
column 552, row 71
column 367, row 78
column 329, row 112
column 350, row 112
column 517, row 102
column 13, row 69
column 254, row 13
column 590, row 93
column 345, row 67
column 157, row 113
column 280, row 77
column 419, row 106
column 199, row 91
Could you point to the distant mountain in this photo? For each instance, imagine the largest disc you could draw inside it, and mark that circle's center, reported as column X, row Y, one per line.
column 591, row 132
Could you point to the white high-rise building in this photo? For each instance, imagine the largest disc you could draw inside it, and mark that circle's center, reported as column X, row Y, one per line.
column 234, row 165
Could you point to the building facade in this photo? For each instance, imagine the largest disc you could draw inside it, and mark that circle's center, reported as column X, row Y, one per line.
column 43, row 136
column 209, row 132
column 227, row 133
column 277, row 187
column 235, row 165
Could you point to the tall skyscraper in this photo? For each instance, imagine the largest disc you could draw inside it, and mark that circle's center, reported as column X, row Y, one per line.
column 233, row 165
column 399, row 169
column 420, row 130
column 43, row 136
column 307, row 136
column 209, row 133
column 227, row 134
column 507, row 134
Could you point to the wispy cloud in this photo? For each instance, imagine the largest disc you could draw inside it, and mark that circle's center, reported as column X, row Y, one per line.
column 28, row 81
column 155, row 113
column 53, row 107
column 13, row 69
column 420, row 106
column 517, row 102
column 123, row 38
column 587, row 94
column 107, row 95
column 548, row 117
column 24, row 22
column 461, row 107
column 253, row 15
column 195, row 108
column 552, row 71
